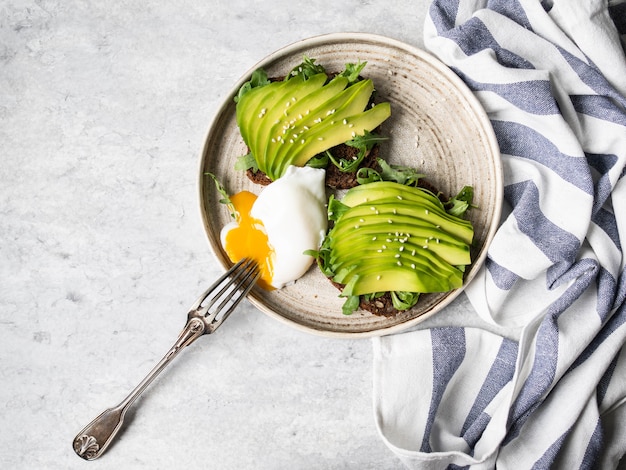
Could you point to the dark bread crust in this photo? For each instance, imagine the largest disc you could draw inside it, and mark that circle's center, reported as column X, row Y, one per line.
column 335, row 178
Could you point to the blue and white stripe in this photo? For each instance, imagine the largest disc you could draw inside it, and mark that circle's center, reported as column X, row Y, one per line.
column 538, row 378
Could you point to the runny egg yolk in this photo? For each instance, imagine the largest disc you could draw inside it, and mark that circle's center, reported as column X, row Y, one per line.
column 249, row 238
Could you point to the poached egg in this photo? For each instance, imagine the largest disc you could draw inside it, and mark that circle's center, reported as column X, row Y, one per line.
column 276, row 227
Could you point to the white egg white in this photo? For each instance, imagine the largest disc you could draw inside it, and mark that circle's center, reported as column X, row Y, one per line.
column 293, row 212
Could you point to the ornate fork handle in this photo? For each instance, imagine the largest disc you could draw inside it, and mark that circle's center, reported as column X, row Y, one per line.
column 94, row 439
column 223, row 296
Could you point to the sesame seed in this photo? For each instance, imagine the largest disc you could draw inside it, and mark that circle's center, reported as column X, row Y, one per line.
column 413, row 253
column 291, row 141
column 399, row 263
column 287, row 104
column 350, row 125
column 353, row 134
column 390, row 221
column 345, row 121
column 401, row 248
column 306, row 128
column 356, row 226
column 361, row 220
column 399, row 197
column 389, row 240
column 425, row 247
column 384, row 247
column 426, row 211
column 273, row 140
column 397, row 255
column 379, row 251
column 378, row 277
column 437, row 240
column 374, row 239
column 372, row 208
column 302, row 141
column 320, row 138
column 413, row 265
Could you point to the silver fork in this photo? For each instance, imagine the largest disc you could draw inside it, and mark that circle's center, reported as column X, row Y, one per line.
column 204, row 317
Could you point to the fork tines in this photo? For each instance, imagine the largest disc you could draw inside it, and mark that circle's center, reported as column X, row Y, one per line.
column 219, row 300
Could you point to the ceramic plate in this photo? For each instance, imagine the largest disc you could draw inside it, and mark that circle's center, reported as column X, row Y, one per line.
column 437, row 125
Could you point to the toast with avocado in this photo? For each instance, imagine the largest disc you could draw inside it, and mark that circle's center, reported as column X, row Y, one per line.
column 391, row 242
column 309, row 117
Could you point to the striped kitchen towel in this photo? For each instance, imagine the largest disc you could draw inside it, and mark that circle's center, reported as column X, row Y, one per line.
column 535, row 376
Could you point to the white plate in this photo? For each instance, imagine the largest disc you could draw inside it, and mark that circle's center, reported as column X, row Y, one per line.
column 437, row 126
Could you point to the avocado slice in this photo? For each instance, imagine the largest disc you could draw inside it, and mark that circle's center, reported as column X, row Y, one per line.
column 413, row 237
column 274, row 108
column 409, row 200
column 248, row 103
column 335, row 132
column 387, row 277
column 257, row 111
column 351, row 100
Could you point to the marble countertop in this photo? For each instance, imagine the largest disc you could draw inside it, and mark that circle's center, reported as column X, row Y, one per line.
column 103, row 110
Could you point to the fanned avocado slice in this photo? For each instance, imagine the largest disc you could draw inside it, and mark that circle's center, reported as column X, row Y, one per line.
column 393, row 237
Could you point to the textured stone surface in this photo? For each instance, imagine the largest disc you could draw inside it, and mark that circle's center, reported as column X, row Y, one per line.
column 103, row 110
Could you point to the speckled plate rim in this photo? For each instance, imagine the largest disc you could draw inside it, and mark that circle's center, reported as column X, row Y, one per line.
column 300, row 48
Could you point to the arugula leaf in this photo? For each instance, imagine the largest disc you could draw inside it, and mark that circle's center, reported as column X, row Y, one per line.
column 400, row 174
column 336, row 208
column 257, row 79
column 225, row 196
column 460, row 203
column 404, row 300
column 306, row 69
column 353, row 71
column 367, row 175
column 318, row 161
column 350, row 305
column 246, row 162
column 363, row 143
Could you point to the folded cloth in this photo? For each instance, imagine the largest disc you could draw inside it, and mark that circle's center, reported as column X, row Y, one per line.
column 541, row 382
